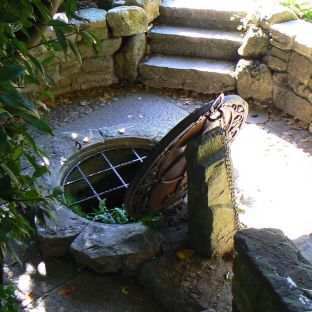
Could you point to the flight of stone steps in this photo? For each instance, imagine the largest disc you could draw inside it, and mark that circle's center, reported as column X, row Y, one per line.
column 194, row 46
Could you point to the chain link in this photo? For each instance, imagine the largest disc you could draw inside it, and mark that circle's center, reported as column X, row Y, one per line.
column 229, row 171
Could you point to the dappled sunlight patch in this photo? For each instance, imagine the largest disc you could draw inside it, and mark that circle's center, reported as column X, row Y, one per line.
column 274, row 180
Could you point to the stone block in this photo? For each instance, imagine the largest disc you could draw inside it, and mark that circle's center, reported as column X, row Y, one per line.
column 212, row 221
column 95, row 21
column 98, row 64
column 281, row 54
column 63, row 85
column 279, row 45
column 276, row 63
column 303, row 42
column 270, row 273
column 253, row 80
column 70, row 67
column 128, row 58
column 105, row 47
column 85, row 81
column 58, row 233
column 275, row 14
column 151, row 7
column 292, row 104
column 255, row 43
column 280, row 78
column 113, row 247
column 300, row 70
column 127, row 21
column 285, row 33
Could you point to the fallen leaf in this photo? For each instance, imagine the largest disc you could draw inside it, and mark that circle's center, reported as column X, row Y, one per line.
column 86, row 139
column 122, row 130
column 130, row 116
column 124, row 290
column 185, row 254
column 141, row 116
column 66, row 292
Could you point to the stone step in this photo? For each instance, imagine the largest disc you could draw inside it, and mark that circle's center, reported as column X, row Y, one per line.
column 208, row 14
column 188, row 41
column 191, row 73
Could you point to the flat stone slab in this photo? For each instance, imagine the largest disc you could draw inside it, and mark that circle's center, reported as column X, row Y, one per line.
column 280, row 274
column 195, row 42
column 199, row 74
column 205, row 14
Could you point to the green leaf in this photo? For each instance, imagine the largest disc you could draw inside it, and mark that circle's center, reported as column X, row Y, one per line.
column 87, row 37
column 61, row 38
column 70, row 8
column 75, row 51
column 11, row 72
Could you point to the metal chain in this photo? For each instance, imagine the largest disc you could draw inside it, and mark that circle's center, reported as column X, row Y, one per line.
column 229, row 171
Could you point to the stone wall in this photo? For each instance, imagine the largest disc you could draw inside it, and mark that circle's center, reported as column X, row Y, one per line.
column 290, row 59
column 277, row 62
column 270, row 274
column 122, row 41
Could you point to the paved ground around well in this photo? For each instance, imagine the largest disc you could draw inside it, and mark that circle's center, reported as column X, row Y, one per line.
column 272, row 158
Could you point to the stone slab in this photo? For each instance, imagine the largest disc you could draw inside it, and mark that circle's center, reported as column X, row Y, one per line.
column 292, row 104
column 253, row 80
column 151, row 7
column 281, row 54
column 58, row 233
column 203, row 75
column 127, row 21
column 285, row 33
column 128, row 58
column 255, row 43
column 276, row 63
column 95, row 19
column 300, row 70
column 270, row 273
column 303, row 42
column 203, row 14
column 275, row 14
column 211, row 212
column 106, row 47
column 113, row 247
column 178, row 40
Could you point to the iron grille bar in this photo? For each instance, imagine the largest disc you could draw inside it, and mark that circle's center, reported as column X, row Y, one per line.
column 104, row 170
column 89, row 183
column 137, row 155
column 115, row 171
column 100, row 194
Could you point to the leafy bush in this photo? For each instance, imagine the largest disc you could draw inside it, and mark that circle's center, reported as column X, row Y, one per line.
column 22, row 162
column 302, row 8
column 7, row 299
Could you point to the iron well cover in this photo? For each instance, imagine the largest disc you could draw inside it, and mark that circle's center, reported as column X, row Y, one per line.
column 161, row 182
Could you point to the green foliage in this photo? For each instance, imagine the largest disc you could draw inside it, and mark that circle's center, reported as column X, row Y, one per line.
column 115, row 216
column 303, row 8
column 22, row 162
column 8, row 302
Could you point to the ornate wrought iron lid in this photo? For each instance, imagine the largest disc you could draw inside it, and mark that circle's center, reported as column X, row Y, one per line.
column 161, row 182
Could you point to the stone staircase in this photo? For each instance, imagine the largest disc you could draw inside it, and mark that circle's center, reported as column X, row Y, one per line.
column 194, row 46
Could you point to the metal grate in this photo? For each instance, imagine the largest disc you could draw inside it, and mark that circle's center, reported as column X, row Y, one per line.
column 105, row 174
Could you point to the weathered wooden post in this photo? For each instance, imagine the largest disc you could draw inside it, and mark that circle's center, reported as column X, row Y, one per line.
column 212, row 211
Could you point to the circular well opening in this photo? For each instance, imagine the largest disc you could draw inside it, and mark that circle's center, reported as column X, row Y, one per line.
column 104, row 174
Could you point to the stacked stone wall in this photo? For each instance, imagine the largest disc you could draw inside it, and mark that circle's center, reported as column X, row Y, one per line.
column 121, row 32
column 276, row 62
